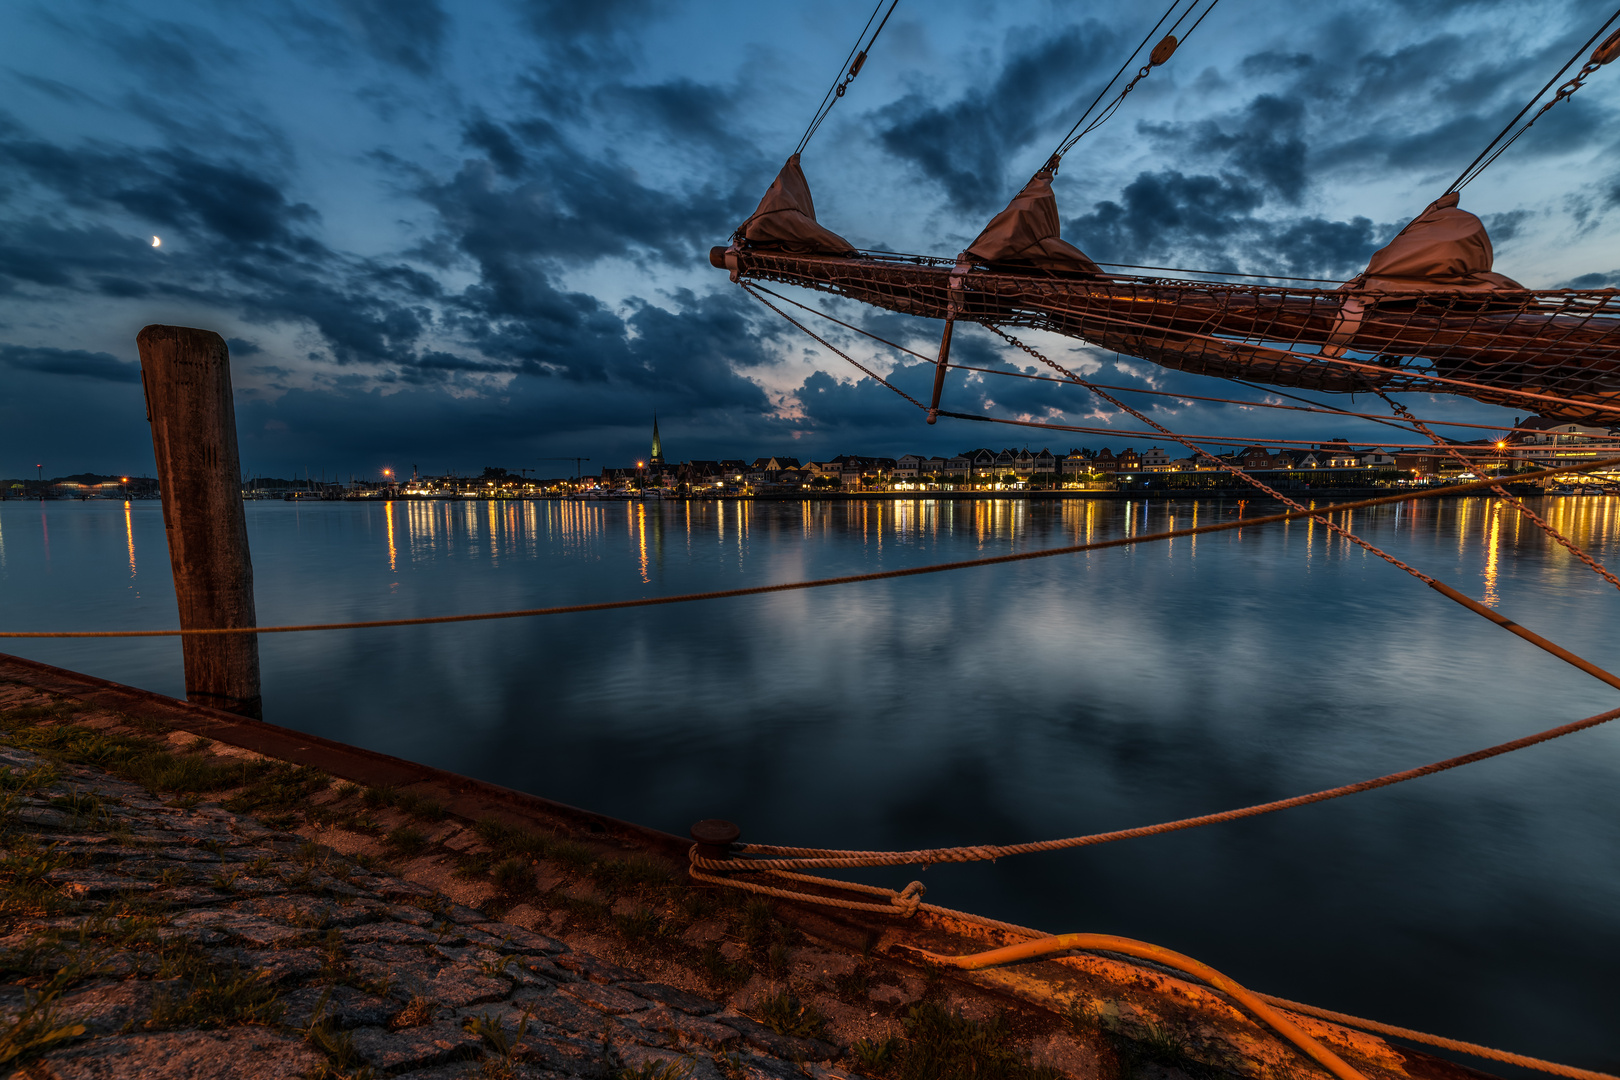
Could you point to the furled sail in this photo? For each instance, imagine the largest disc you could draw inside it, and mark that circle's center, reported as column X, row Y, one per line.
column 1443, row 249
column 1414, row 320
column 1027, row 234
column 786, row 218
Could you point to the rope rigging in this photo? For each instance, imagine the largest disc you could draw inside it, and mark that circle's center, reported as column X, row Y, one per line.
column 756, row 291
column 1538, row 349
column 1309, row 406
column 1603, row 55
column 1439, row 586
column 1502, row 493
column 1159, row 55
column 853, row 62
column 1549, row 351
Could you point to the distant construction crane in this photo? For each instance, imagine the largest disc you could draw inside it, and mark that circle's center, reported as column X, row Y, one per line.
column 575, row 460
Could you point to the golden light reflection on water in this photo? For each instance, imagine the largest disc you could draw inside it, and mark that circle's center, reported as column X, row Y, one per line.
column 1493, row 548
column 129, row 540
column 1487, row 536
column 641, row 532
column 393, row 550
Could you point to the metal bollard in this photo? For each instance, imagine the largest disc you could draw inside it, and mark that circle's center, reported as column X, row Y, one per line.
column 714, row 838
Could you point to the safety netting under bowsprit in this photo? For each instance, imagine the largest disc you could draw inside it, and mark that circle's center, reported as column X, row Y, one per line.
column 1554, row 352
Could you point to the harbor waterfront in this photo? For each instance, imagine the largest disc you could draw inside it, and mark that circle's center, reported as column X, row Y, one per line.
column 991, row 705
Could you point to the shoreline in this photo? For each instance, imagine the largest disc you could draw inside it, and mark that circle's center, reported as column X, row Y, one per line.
column 1232, row 493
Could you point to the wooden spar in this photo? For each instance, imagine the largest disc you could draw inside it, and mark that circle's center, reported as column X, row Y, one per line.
column 187, row 377
column 940, row 367
column 951, row 311
column 1557, row 352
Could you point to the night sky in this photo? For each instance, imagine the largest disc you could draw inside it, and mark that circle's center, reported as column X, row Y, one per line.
column 469, row 234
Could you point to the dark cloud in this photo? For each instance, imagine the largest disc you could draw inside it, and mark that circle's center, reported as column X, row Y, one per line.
column 181, row 60
column 35, row 252
column 61, row 91
column 406, row 33
column 964, row 145
column 560, row 20
column 680, row 111
column 1272, row 62
column 71, row 363
column 1265, row 143
column 1593, row 281
column 1162, row 212
column 176, row 189
column 531, row 193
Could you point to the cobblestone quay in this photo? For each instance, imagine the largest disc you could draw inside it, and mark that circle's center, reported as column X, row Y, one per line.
column 173, row 907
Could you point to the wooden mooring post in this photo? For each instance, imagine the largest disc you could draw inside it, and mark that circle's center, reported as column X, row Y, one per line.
column 186, row 374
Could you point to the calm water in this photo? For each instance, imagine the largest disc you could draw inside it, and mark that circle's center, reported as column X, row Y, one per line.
column 1042, row 699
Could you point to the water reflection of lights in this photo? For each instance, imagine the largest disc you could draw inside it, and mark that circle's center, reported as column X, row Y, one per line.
column 641, row 522
column 1493, row 547
column 129, row 540
column 393, row 552
column 505, row 528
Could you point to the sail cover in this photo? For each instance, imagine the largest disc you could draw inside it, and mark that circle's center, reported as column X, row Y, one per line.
column 1443, row 248
column 786, row 218
column 1026, row 234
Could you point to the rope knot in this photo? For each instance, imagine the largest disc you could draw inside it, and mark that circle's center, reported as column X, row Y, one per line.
column 909, row 898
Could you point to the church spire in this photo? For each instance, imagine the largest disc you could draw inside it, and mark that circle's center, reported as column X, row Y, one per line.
column 657, row 446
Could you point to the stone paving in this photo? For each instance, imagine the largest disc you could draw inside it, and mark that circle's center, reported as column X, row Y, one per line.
column 171, row 938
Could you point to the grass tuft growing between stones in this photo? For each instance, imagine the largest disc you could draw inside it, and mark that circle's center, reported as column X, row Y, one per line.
column 942, row 1045
column 514, row 875
column 639, row 923
column 282, row 789
column 406, row 841
column 853, row 987
column 148, row 762
column 726, row 975
column 573, row 854
column 423, row 809
column 659, row 1069
column 1159, row 1046
column 36, row 1028
column 618, row 874
column 24, row 889
column 504, row 839
column 217, row 998
column 787, row 1015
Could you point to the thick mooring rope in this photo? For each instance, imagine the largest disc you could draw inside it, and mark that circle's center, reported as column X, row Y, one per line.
column 777, row 857
column 908, row 902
